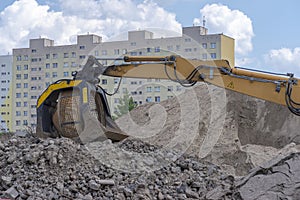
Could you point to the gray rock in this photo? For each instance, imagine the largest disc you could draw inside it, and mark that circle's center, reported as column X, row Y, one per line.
column 12, row 158
column 6, row 181
column 160, row 196
column 191, row 194
column 11, row 193
column 106, row 182
column 128, row 192
column 93, row 185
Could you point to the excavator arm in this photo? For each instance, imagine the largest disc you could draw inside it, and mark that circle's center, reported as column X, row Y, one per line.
column 278, row 88
column 78, row 109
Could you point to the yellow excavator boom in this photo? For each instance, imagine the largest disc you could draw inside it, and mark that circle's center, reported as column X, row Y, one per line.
column 278, row 88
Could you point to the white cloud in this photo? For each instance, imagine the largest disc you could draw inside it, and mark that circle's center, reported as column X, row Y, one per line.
column 26, row 19
column 284, row 60
column 233, row 23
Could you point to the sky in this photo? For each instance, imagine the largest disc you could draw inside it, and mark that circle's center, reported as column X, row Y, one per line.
column 266, row 32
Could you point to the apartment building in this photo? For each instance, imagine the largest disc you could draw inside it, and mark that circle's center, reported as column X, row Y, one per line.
column 5, row 92
column 43, row 63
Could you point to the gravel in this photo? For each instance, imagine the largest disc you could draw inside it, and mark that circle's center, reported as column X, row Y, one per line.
column 62, row 169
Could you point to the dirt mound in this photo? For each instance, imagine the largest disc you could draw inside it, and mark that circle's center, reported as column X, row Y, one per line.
column 234, row 131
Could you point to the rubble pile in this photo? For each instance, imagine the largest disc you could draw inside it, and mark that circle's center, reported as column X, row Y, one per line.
column 62, row 169
column 204, row 144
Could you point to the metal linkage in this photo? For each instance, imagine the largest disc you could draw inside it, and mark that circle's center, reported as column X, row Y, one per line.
column 278, row 83
column 293, row 106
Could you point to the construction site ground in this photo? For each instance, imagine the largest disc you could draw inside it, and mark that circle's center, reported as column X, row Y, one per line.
column 207, row 143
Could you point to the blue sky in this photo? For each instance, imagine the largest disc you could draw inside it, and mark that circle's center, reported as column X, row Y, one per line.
column 270, row 28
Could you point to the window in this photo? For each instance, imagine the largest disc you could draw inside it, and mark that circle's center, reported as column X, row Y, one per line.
column 73, row 64
column 66, row 55
column 34, row 69
column 55, row 56
column 134, row 53
column 18, row 113
column 104, row 81
column 213, row 55
column 116, row 80
column 18, row 76
column 124, row 90
column 18, row 85
column 47, row 56
column 133, row 43
column 157, row 99
column 170, row 48
column 25, row 104
column 47, row 75
column 177, row 47
column 204, row 45
column 104, row 52
column 25, row 94
column 188, row 50
column 187, row 40
column 124, row 51
column 18, row 95
column 204, row 56
column 66, row 64
column 169, row 97
column 157, row 49
column 33, row 97
column 170, row 88
column 25, row 57
column 117, row 51
column 96, row 53
column 25, row 113
column 212, row 45
column 149, row 89
column 178, row 88
column 47, row 65
column 19, row 58
column 34, row 78
column 54, row 74
column 66, row 74
column 18, row 67
column 82, row 47
column 73, row 54
column 25, row 123
column 34, row 59
column 33, row 50
column 148, row 99
column 82, row 57
column 25, row 76
column 18, row 122
column 33, row 88
column 25, row 85
column 148, row 50
column 157, row 88
column 54, row 65
column 3, row 65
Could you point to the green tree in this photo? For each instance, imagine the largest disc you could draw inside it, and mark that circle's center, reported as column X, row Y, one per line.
column 126, row 104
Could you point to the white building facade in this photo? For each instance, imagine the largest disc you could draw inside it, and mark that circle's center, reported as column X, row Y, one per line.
column 43, row 63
